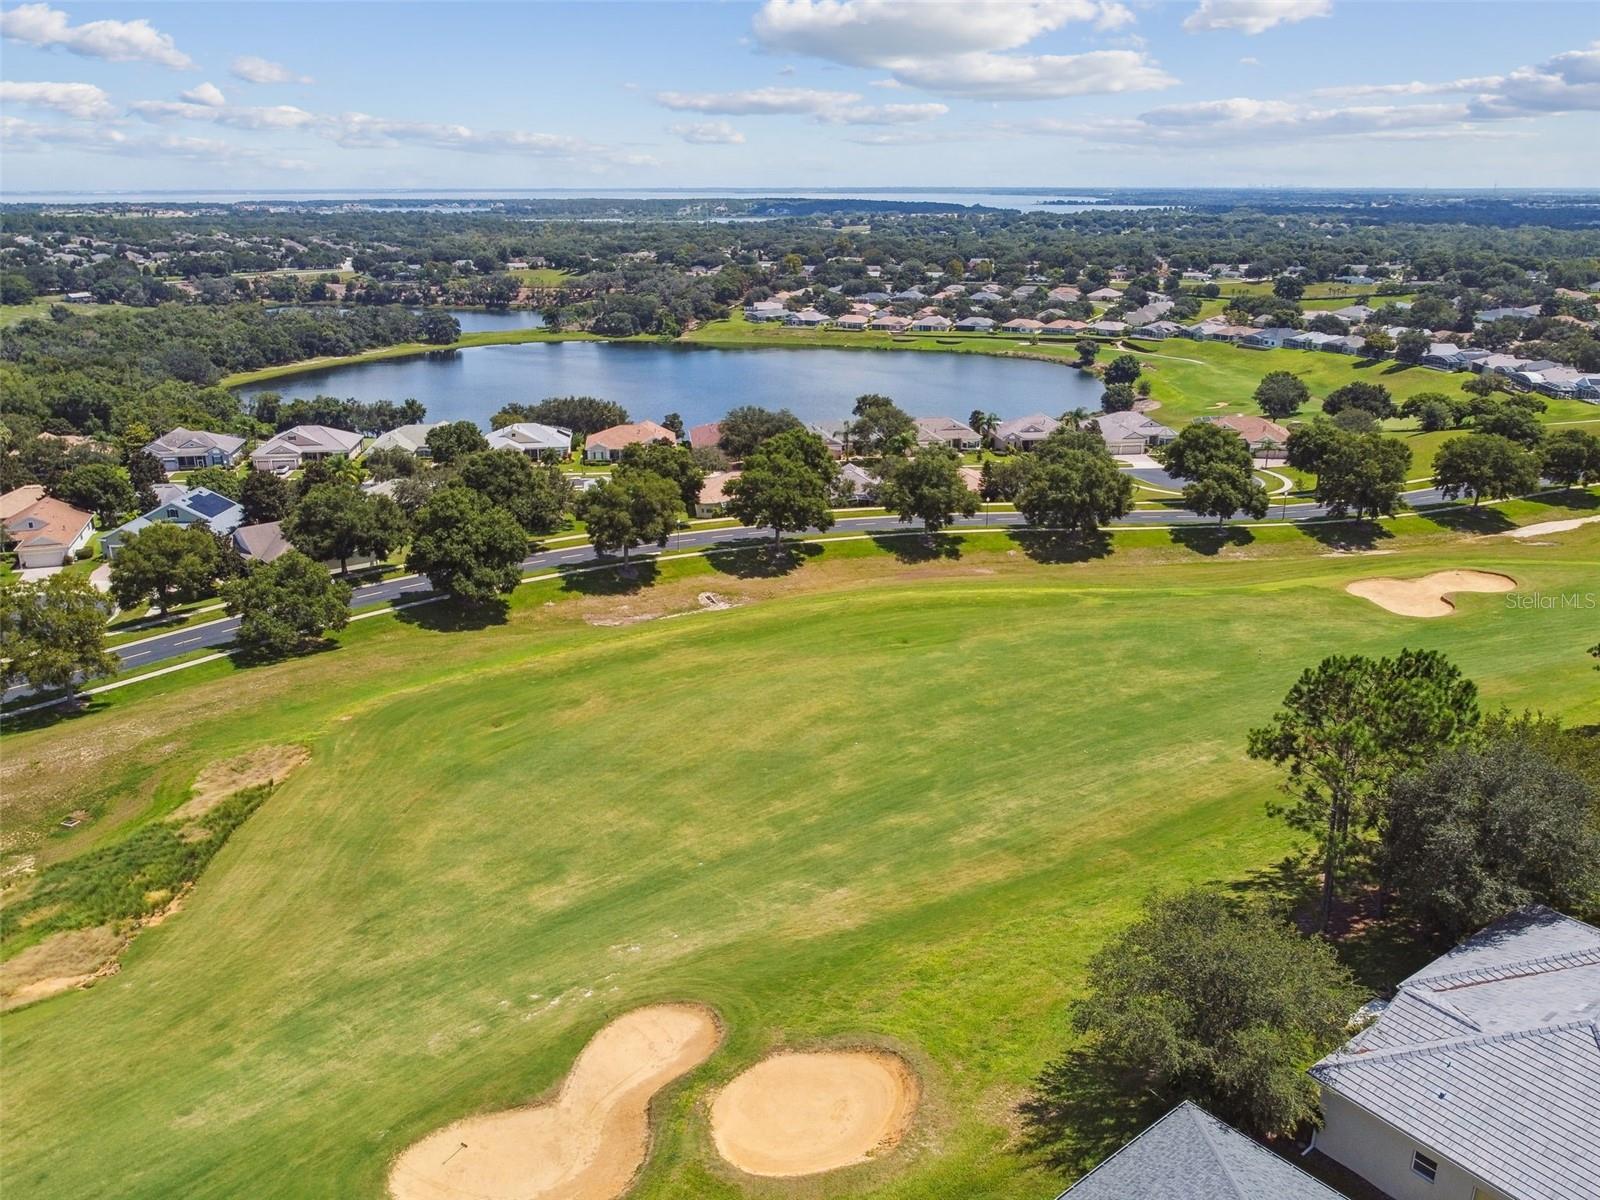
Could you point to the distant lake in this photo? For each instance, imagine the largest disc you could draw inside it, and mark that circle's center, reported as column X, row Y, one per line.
column 473, row 321
column 700, row 384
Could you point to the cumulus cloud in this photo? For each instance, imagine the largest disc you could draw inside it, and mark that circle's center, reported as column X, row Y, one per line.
column 708, row 133
column 206, row 93
column 1253, row 16
column 252, row 69
column 114, row 41
column 767, row 101
column 81, row 101
column 235, row 116
column 18, row 136
column 960, row 49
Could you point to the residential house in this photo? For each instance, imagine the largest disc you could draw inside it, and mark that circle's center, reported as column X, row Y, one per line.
column 1152, row 311
column 17, row 499
column 857, row 485
column 1480, row 1080
column 704, row 436
column 1230, row 333
column 1351, row 343
column 1065, row 295
column 1271, row 338
column 413, row 439
column 1108, row 328
column 891, row 323
column 1266, row 439
column 951, row 432
column 714, row 493
column 1445, row 356
column 294, row 448
column 1132, row 432
column 196, row 506
column 608, row 444
column 1025, row 433
column 832, row 434
column 931, row 324
column 810, row 318
column 1588, row 388
column 1161, row 330
column 48, row 532
column 975, row 324
column 534, row 440
column 183, row 449
column 1190, row 1155
column 1064, row 328
column 1356, row 280
column 852, row 321
column 1353, row 314
column 765, row 310
column 1309, row 339
column 262, row 543
column 79, row 297
column 1485, row 316
column 1105, row 295
column 1022, row 325
column 1552, row 381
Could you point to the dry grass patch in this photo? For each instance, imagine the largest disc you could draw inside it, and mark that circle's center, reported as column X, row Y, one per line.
column 261, row 766
column 58, row 964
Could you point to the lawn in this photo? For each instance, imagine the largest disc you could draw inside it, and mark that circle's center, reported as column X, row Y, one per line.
column 842, row 810
column 541, row 276
column 10, row 314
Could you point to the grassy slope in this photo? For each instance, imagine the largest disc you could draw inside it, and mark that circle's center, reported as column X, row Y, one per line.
column 840, row 811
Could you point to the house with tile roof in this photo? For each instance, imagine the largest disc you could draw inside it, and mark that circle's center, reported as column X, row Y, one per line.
column 1480, row 1080
column 607, row 445
column 1190, row 1155
column 48, row 532
column 533, row 439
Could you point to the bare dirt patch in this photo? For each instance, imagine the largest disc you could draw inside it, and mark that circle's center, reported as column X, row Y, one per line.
column 263, row 765
column 63, row 961
column 587, row 1143
column 1428, row 596
column 803, row 1113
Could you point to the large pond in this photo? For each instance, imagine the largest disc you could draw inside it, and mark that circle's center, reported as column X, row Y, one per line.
column 702, row 384
column 474, row 320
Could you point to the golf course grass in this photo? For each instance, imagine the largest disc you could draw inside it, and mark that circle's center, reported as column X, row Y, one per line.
column 888, row 799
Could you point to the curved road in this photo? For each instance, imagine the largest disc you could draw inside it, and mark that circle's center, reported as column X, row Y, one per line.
column 149, row 651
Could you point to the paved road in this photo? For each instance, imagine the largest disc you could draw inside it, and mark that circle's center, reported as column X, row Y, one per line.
column 152, row 650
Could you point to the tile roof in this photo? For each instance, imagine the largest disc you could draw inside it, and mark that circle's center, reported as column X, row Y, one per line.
column 1490, row 1055
column 618, row 436
column 14, row 501
column 47, row 522
column 1190, row 1155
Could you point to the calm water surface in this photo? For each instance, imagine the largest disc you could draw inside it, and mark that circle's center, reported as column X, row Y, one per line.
column 700, row 384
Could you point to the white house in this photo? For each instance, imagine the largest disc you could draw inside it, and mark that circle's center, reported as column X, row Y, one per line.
column 413, row 439
column 1480, row 1080
column 294, row 448
column 947, row 430
column 533, row 439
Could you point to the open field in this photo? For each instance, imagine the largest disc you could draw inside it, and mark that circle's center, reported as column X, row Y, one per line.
column 541, row 276
column 836, row 812
column 10, row 314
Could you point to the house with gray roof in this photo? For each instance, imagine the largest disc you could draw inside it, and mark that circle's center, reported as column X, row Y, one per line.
column 1024, row 433
column 413, row 439
column 183, row 449
column 294, row 448
column 1480, row 1080
column 958, row 435
column 1190, row 1155
column 533, row 439
column 1132, row 432
column 202, row 505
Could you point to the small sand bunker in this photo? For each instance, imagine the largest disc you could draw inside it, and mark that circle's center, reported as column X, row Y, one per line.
column 798, row 1114
column 1428, row 596
column 1548, row 527
column 587, row 1143
column 63, row 961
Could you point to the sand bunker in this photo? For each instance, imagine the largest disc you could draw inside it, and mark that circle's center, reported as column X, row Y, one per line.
column 587, row 1143
column 1427, row 597
column 219, row 780
column 798, row 1114
column 1545, row 527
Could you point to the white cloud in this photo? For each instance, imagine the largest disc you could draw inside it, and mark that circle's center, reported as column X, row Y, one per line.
column 1037, row 77
column 17, row 134
column 768, row 101
column 1249, row 60
column 113, row 41
column 886, row 114
column 278, row 116
column 708, row 133
column 1568, row 82
column 19, row 137
column 252, row 69
column 355, row 130
column 959, row 49
column 81, row 101
column 205, row 93
column 1253, row 16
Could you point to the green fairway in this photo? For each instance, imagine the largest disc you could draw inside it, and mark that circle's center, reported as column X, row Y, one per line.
column 890, row 800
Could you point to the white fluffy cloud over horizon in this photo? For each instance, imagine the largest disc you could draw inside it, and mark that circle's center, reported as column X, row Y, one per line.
column 114, row 41
column 707, row 133
column 962, row 50
column 254, row 69
column 80, row 101
column 1253, row 16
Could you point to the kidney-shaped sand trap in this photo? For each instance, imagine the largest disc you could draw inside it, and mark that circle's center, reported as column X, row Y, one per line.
column 588, row 1142
column 1426, row 597
column 798, row 1114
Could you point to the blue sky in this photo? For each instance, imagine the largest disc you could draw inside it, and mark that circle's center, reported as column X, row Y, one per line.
column 799, row 93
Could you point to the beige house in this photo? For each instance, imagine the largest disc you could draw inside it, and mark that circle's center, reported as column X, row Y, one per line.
column 48, row 533
column 608, row 444
column 714, row 493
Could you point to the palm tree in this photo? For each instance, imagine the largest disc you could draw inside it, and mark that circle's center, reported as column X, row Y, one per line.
column 342, row 469
column 1075, row 418
column 985, row 426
